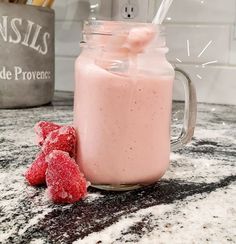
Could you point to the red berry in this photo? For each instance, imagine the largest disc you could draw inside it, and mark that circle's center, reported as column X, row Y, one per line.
column 66, row 184
column 63, row 139
column 43, row 128
column 35, row 175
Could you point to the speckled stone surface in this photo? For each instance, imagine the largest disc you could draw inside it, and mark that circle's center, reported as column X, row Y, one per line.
column 195, row 202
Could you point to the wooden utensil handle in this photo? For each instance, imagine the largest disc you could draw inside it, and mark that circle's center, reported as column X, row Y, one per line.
column 48, row 3
column 38, row 2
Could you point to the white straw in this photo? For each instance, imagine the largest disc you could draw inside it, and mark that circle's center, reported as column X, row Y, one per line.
column 162, row 11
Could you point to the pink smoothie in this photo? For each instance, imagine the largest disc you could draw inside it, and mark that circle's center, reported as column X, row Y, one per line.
column 123, row 121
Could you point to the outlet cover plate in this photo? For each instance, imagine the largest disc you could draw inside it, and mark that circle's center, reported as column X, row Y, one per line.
column 130, row 10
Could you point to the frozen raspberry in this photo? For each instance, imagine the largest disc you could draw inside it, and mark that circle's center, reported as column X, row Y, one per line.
column 66, row 184
column 43, row 128
column 35, row 175
column 63, row 139
column 139, row 38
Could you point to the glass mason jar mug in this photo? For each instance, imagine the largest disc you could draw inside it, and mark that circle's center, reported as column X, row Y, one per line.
column 123, row 105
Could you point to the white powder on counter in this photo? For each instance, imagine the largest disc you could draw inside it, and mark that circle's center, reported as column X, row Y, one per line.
column 188, row 221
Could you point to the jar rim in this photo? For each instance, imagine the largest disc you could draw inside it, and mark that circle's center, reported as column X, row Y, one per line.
column 105, row 34
column 107, row 27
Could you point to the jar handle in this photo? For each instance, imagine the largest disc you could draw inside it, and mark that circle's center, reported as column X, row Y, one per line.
column 190, row 112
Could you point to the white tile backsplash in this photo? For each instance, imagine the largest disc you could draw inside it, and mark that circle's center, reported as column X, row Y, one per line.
column 78, row 10
column 232, row 56
column 202, row 21
column 75, row 10
column 68, row 36
column 201, row 11
column 198, row 36
column 68, row 26
column 64, row 73
column 199, row 21
column 215, row 85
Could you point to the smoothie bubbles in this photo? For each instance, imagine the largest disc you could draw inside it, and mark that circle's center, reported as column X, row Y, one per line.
column 122, row 106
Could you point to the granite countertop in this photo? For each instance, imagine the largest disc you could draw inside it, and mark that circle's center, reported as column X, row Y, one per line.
column 193, row 203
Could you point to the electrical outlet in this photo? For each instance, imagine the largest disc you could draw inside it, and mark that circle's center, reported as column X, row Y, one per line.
column 121, row 10
column 130, row 10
